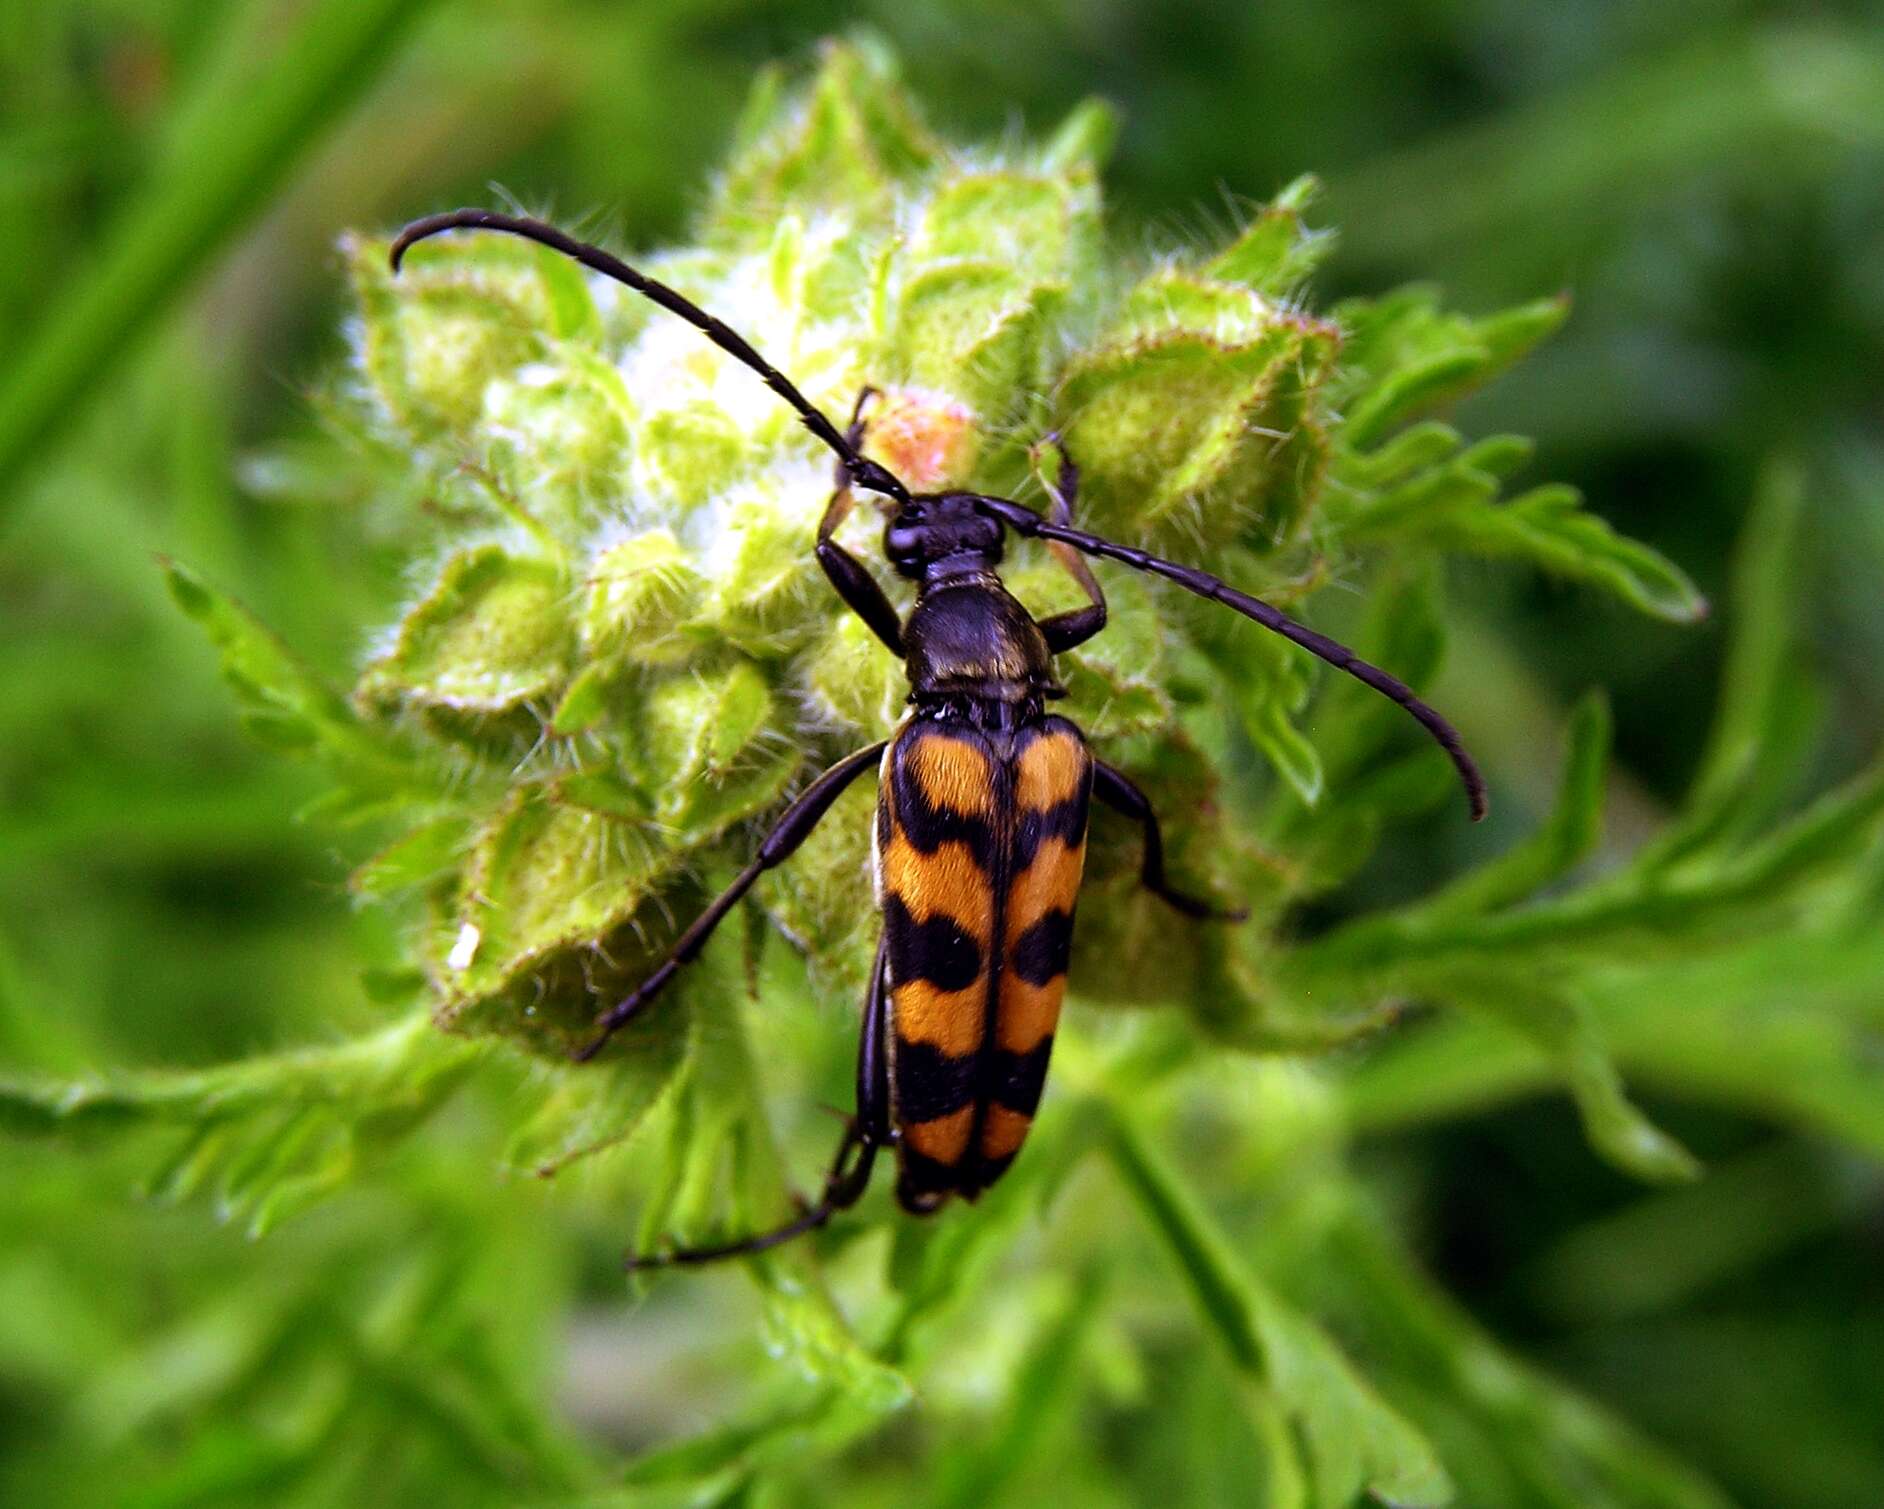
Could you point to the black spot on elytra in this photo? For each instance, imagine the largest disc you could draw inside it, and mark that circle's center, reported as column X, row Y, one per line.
column 985, row 1172
column 938, row 950
column 922, row 1184
column 1016, row 1079
column 1065, row 821
column 927, row 826
column 1039, row 955
column 927, row 1083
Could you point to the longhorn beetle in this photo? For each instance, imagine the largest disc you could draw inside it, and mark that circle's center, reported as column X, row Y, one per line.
column 983, row 795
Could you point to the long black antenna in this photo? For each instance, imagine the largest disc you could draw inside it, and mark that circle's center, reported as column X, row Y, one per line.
column 863, row 472
column 1025, row 521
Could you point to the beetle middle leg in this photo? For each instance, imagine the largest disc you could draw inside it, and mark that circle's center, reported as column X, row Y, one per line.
column 865, row 1135
column 1115, row 789
column 1076, row 626
column 780, row 844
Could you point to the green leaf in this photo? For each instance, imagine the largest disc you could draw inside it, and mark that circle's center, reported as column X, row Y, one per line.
column 585, row 703
column 939, row 1269
column 414, row 860
column 1512, row 1433
column 1666, row 1250
column 284, row 695
column 1749, row 751
column 802, row 1324
column 1085, row 139
column 710, row 753
column 573, row 315
column 461, row 313
column 1048, row 1377
column 559, row 431
column 1559, row 1021
column 840, row 149
column 972, row 329
column 1352, row 1440
column 1272, row 684
column 764, row 592
column 1413, row 388
column 272, row 1133
column 1571, row 832
column 717, row 1465
column 490, row 636
column 1182, row 435
column 637, row 597
column 1119, row 680
column 1525, row 995
column 590, row 1108
column 1550, row 527
column 555, row 910
column 1635, row 914
column 1455, row 506
column 1276, row 252
column 1013, row 222
column 1405, row 356
column 1793, row 1005
column 854, row 683
column 605, row 793
column 1412, row 452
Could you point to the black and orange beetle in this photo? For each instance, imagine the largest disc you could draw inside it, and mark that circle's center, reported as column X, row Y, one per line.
column 980, row 831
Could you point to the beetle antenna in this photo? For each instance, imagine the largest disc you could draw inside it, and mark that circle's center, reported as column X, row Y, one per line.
column 1026, row 522
column 863, row 472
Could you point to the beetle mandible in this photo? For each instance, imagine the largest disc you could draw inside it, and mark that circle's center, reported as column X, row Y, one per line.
column 982, row 802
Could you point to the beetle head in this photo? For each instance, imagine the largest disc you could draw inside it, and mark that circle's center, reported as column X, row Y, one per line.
column 937, row 529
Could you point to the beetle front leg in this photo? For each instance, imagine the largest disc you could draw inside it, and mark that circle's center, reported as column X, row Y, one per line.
column 848, row 575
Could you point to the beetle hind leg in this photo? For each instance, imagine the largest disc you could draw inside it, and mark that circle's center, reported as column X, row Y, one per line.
column 844, row 1186
column 865, row 1135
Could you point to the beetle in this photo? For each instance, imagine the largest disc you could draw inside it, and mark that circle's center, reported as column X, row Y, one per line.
column 983, row 798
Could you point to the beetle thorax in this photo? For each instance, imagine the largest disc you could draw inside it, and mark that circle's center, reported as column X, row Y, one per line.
column 969, row 638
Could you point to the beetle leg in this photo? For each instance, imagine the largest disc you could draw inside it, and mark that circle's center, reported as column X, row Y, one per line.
column 1075, row 627
column 855, row 430
column 865, row 1134
column 1116, row 790
column 780, row 844
column 873, row 1053
column 848, row 575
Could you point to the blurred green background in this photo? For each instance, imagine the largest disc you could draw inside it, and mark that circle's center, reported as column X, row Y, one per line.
column 1705, row 178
